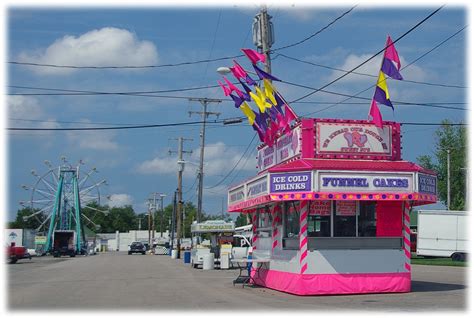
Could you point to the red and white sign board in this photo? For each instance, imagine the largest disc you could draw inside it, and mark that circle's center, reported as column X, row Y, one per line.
column 322, row 208
column 346, row 208
column 357, row 140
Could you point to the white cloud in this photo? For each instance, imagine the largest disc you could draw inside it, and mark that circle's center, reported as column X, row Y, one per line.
column 414, row 73
column 26, row 112
column 120, row 200
column 95, row 140
column 218, row 160
column 24, row 107
column 105, row 47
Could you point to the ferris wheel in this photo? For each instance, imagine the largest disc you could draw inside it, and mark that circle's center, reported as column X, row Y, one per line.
column 58, row 198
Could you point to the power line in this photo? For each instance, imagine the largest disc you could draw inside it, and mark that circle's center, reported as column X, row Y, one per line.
column 315, row 33
column 370, row 58
column 173, row 64
column 233, row 168
column 366, row 98
column 369, row 75
column 142, row 94
column 109, row 128
column 411, row 63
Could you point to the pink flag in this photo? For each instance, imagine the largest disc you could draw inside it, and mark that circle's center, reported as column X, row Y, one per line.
column 375, row 114
column 238, row 71
column 289, row 114
column 391, row 53
column 254, row 56
column 233, row 88
column 226, row 90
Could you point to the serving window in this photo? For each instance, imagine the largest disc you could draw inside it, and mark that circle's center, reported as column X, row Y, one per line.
column 338, row 224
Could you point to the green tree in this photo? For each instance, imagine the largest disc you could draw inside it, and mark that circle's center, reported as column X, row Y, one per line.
column 241, row 220
column 22, row 222
column 453, row 138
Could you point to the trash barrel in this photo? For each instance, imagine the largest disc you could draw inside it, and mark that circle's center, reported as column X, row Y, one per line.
column 174, row 254
column 187, row 257
column 208, row 261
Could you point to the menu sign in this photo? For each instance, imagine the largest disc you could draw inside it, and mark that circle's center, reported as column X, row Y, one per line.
column 353, row 139
column 346, row 208
column 322, row 208
column 257, row 188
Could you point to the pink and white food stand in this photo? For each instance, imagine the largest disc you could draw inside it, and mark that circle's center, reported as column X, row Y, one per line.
column 329, row 208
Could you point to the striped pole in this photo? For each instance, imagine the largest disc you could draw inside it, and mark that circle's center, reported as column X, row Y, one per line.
column 303, row 235
column 254, row 230
column 406, row 235
column 275, row 222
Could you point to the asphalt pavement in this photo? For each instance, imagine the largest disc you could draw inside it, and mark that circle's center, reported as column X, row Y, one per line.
column 115, row 281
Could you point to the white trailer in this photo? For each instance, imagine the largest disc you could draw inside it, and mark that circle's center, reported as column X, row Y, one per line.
column 442, row 234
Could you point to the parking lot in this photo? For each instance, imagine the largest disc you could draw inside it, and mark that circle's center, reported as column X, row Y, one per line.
column 115, row 280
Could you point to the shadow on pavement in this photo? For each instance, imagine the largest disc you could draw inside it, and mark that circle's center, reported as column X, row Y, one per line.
column 420, row 286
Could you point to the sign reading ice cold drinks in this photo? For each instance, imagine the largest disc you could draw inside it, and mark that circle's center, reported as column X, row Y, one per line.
column 290, row 182
column 285, row 148
column 353, row 139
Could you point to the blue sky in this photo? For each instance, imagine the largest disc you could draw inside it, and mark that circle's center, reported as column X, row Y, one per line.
column 136, row 162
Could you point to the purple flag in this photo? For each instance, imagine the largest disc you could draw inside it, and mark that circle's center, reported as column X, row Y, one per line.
column 260, row 133
column 390, row 69
column 250, row 81
column 237, row 100
column 247, row 91
column 261, row 74
column 381, row 97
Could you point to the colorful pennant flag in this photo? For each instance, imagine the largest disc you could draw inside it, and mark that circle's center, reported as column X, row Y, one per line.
column 381, row 91
column 226, row 90
column 237, row 100
column 375, row 114
column 262, row 74
column 245, row 108
column 390, row 67
column 269, row 91
column 233, row 88
column 254, row 56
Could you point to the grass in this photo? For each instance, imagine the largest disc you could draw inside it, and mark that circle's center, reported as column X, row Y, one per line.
column 439, row 261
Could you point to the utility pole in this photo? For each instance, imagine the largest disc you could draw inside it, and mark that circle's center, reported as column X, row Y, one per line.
column 449, row 179
column 204, row 102
column 263, row 35
column 152, row 207
column 173, row 222
column 139, row 224
column 161, row 214
column 180, row 191
column 149, row 223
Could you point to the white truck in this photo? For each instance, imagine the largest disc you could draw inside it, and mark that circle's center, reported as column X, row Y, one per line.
column 442, row 234
column 222, row 242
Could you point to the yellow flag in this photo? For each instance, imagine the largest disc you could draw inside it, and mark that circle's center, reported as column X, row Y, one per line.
column 382, row 83
column 245, row 108
column 269, row 91
column 260, row 103
column 262, row 97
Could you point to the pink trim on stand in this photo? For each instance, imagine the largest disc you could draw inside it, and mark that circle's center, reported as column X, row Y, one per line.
column 378, row 196
column 275, row 221
column 333, row 284
column 254, row 230
column 303, row 236
column 406, row 235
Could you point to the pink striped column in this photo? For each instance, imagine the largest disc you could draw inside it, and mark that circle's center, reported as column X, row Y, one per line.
column 406, row 235
column 275, row 222
column 304, row 205
column 254, row 230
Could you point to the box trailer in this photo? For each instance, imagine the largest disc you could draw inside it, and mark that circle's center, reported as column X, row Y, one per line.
column 442, row 234
column 64, row 243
